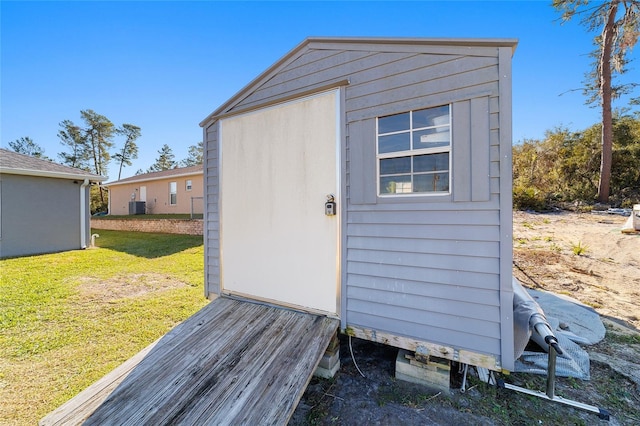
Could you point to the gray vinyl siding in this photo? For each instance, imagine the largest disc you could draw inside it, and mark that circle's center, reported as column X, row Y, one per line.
column 212, row 215
column 40, row 215
column 425, row 267
column 502, row 127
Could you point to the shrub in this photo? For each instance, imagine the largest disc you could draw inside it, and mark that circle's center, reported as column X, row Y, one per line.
column 564, row 167
column 528, row 198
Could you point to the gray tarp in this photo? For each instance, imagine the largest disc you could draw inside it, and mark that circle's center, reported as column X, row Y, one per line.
column 581, row 324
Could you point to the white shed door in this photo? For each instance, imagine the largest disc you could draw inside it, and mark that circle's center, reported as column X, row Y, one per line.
column 278, row 165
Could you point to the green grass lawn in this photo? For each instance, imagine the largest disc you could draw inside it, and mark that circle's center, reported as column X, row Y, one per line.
column 67, row 319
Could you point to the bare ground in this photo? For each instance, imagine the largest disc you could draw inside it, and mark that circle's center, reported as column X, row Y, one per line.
column 126, row 286
column 584, row 256
column 605, row 275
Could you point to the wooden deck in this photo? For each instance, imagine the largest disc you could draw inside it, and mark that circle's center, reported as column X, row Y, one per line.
column 233, row 362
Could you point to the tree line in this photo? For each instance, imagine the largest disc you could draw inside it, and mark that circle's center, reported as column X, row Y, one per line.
column 564, row 167
column 166, row 159
column 91, row 146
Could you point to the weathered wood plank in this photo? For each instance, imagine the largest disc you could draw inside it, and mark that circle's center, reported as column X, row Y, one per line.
column 233, row 362
column 82, row 405
column 396, row 337
column 423, row 346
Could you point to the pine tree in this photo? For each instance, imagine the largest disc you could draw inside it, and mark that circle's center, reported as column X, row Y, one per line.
column 195, row 155
column 27, row 146
column 130, row 148
column 619, row 21
column 164, row 161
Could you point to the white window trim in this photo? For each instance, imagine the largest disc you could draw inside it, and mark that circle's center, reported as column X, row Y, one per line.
column 413, row 153
column 188, row 185
column 172, row 193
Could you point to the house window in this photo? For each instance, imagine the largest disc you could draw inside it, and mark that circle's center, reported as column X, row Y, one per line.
column 188, row 185
column 173, row 193
column 413, row 152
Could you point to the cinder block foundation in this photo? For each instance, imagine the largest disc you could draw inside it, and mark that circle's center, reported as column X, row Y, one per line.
column 330, row 362
column 429, row 371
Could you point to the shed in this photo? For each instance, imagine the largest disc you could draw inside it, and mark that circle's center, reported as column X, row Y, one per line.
column 45, row 206
column 174, row 191
column 411, row 139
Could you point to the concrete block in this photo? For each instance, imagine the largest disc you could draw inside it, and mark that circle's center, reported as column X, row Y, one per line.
column 426, row 374
column 329, row 360
column 327, row 373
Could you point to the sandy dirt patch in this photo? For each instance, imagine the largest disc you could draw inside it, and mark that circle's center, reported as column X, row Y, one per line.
column 126, row 286
column 585, row 256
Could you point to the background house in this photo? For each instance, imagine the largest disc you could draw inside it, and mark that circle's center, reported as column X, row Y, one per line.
column 411, row 138
column 166, row 192
column 44, row 206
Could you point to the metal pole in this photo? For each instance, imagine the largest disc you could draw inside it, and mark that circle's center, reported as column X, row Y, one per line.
column 551, row 372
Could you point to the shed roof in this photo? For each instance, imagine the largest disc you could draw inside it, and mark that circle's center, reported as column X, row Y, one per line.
column 20, row 164
column 380, row 42
column 164, row 174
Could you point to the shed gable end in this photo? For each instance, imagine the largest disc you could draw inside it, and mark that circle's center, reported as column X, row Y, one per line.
column 370, row 69
column 429, row 267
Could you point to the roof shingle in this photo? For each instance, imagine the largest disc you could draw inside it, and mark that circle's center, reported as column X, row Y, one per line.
column 182, row 171
column 15, row 163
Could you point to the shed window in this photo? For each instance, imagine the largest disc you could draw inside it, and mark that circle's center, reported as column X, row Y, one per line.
column 188, row 185
column 413, row 152
column 173, row 193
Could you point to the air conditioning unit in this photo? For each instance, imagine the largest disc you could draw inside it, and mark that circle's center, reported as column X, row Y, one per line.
column 136, row 207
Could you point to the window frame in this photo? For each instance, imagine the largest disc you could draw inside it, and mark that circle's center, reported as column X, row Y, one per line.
column 173, row 193
column 188, row 184
column 412, row 153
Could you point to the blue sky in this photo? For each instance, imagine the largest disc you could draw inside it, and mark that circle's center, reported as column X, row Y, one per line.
column 164, row 66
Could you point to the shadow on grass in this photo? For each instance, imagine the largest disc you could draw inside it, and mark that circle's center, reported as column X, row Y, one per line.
column 144, row 244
